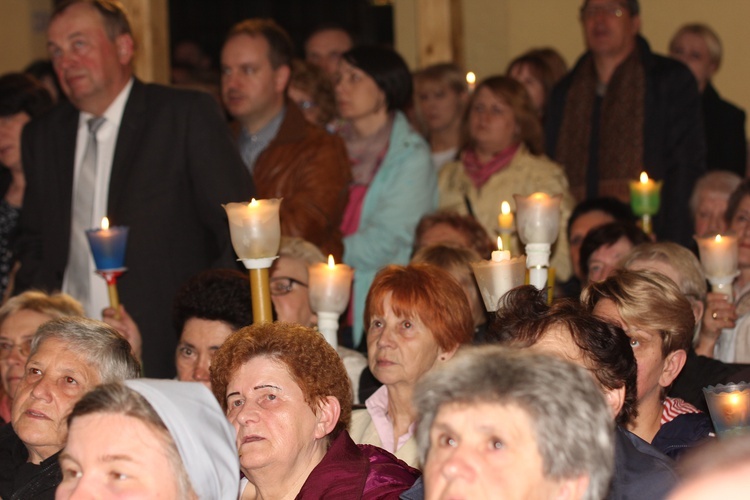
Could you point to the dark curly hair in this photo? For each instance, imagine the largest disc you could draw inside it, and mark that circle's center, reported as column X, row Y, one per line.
column 313, row 364
column 525, row 318
column 214, row 295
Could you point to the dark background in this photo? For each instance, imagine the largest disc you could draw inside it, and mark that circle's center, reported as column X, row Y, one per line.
column 207, row 21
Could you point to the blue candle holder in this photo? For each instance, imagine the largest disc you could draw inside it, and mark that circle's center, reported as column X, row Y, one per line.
column 108, row 247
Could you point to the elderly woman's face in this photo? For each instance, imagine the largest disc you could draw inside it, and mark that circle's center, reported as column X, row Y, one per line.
column 54, row 380
column 199, row 340
column 492, row 123
column 276, row 428
column 357, row 95
column 16, row 333
column 740, row 225
column 128, row 463
column 400, row 349
column 485, row 450
column 709, row 215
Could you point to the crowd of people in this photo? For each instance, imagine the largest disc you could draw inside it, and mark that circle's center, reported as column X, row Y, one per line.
column 591, row 391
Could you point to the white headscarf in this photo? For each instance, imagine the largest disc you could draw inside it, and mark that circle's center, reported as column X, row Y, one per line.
column 204, row 437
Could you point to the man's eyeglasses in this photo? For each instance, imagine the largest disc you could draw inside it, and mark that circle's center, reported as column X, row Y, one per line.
column 611, row 10
column 283, row 285
column 6, row 347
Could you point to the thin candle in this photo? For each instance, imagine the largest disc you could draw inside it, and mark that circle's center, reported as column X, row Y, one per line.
column 471, row 80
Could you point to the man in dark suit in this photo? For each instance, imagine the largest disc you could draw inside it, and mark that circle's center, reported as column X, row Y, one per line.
column 155, row 159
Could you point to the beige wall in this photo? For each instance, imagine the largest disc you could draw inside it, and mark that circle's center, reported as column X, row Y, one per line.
column 22, row 32
column 495, row 31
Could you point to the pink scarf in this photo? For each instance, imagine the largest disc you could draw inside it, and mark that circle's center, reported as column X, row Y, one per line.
column 478, row 172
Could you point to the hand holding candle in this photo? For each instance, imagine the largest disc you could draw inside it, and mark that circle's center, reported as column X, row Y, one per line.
column 645, row 199
column 330, row 288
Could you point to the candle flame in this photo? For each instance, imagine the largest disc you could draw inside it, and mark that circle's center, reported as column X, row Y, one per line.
column 499, row 243
column 331, row 262
column 105, row 223
column 644, row 177
column 505, row 208
column 471, row 78
column 718, row 238
column 253, row 203
column 734, row 398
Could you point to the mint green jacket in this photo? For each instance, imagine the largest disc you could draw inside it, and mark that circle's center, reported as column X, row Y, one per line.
column 403, row 190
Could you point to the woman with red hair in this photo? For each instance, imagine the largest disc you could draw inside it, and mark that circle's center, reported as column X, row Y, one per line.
column 416, row 317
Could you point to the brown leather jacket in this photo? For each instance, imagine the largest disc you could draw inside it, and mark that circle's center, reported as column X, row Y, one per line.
column 310, row 169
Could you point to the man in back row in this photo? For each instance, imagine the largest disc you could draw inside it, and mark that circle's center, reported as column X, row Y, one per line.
column 622, row 110
column 155, row 159
column 288, row 157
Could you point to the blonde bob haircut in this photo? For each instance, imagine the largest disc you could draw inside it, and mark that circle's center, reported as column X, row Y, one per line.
column 707, row 34
column 692, row 279
column 647, row 300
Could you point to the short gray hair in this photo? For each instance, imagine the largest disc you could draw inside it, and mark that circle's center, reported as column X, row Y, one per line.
column 717, row 181
column 692, row 278
column 572, row 423
column 100, row 344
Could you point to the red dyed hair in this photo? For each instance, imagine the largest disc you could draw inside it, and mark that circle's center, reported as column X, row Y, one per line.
column 428, row 293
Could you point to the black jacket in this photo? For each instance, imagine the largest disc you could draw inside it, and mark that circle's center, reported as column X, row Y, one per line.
column 20, row 480
column 673, row 138
column 724, row 124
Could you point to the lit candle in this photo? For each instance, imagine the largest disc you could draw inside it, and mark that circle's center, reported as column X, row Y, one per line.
column 330, row 288
column 645, row 199
column 500, row 255
column 255, row 228
column 496, row 277
column 538, row 226
column 729, row 406
column 108, row 246
column 505, row 221
column 471, row 80
column 538, row 217
column 719, row 257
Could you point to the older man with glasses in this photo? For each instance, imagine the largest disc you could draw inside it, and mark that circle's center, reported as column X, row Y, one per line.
column 623, row 107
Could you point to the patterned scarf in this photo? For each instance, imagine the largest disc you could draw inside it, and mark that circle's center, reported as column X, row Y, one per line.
column 479, row 172
column 620, row 128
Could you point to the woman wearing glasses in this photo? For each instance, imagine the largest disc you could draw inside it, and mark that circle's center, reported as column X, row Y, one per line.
column 291, row 301
column 19, row 319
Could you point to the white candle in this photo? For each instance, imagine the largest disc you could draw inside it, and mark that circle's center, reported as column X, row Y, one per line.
column 255, row 228
column 500, row 255
column 495, row 278
column 538, row 217
column 330, row 286
column 718, row 255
